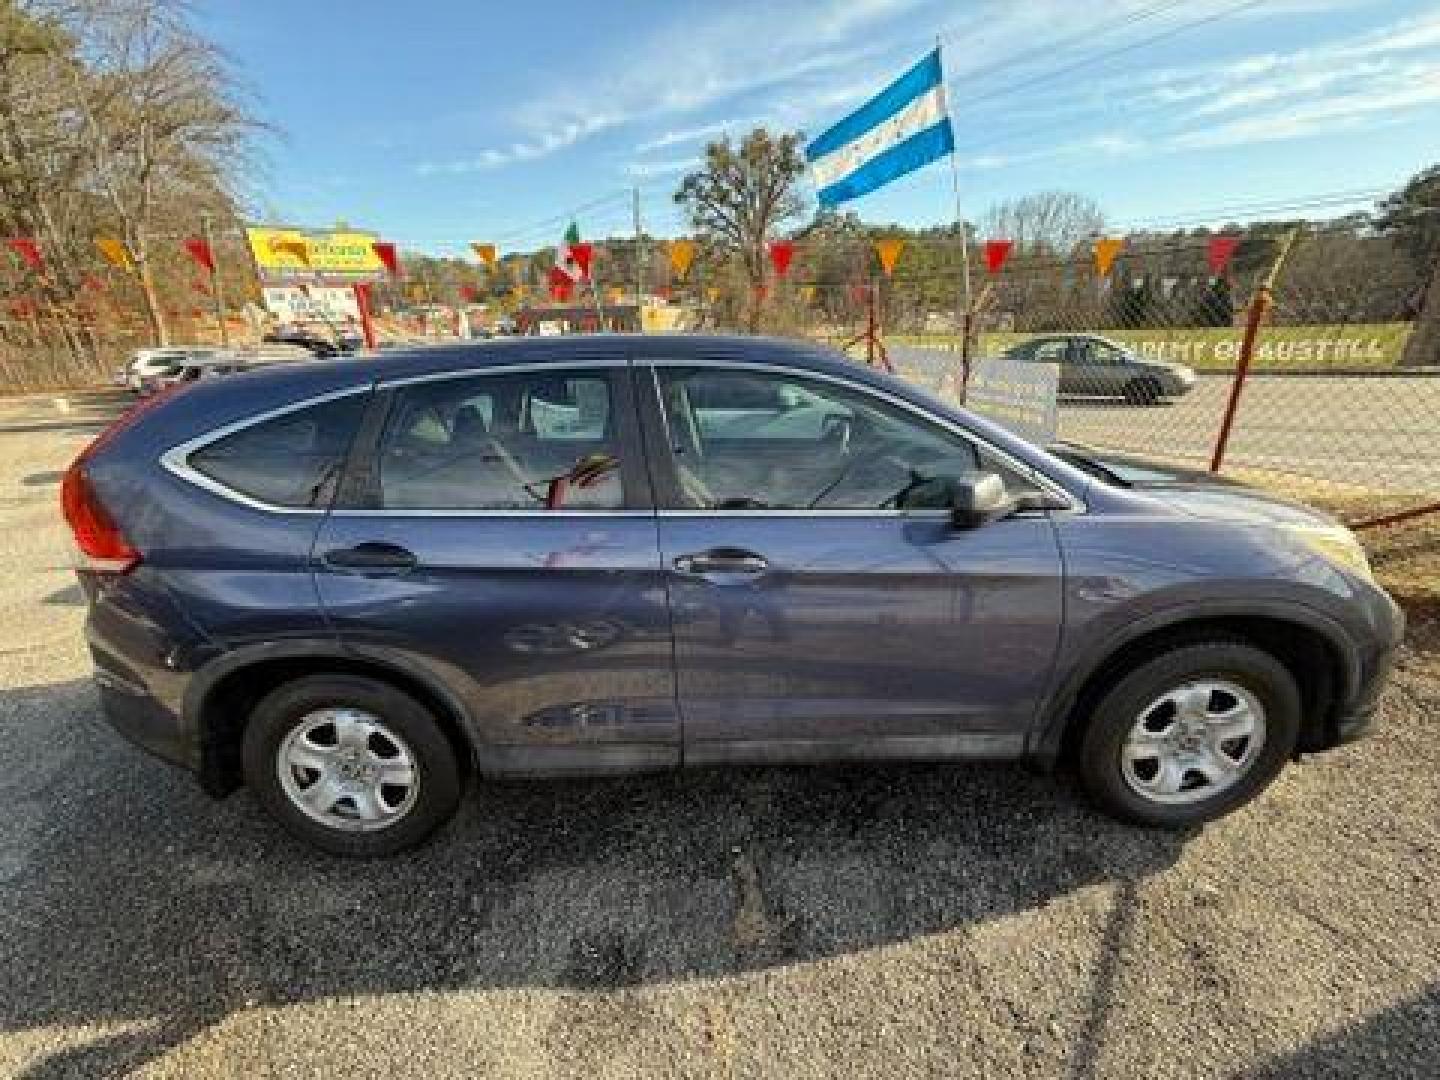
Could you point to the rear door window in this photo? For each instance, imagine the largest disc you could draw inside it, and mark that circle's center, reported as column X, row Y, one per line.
column 532, row 440
column 291, row 460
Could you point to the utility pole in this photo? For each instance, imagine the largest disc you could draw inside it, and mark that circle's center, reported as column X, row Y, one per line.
column 639, row 251
column 217, row 290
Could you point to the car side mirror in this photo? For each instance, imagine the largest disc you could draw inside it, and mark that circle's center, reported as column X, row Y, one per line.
column 973, row 499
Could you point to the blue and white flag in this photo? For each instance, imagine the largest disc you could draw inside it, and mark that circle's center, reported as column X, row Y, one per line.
column 899, row 130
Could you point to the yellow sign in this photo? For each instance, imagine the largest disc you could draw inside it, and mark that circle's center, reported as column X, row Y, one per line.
column 287, row 253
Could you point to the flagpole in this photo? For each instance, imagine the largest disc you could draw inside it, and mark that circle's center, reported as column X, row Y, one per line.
column 965, row 298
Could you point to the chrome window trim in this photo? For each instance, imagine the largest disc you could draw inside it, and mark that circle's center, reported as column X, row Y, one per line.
column 606, row 362
column 176, row 460
column 1073, row 502
column 572, row 515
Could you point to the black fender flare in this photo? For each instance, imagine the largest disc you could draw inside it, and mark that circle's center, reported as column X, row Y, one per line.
column 203, row 683
column 1044, row 742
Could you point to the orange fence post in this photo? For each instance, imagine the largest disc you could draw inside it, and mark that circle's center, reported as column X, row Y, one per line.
column 1259, row 306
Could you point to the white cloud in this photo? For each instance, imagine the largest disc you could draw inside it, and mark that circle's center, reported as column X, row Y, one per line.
column 642, row 169
column 684, row 135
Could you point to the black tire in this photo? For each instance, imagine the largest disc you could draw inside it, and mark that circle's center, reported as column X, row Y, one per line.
column 439, row 781
column 1118, row 710
column 1142, row 392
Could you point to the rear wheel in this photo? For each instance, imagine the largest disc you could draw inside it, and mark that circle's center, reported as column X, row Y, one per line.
column 1191, row 735
column 350, row 764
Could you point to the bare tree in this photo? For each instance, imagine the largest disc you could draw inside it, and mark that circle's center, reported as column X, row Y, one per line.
column 1045, row 223
column 741, row 196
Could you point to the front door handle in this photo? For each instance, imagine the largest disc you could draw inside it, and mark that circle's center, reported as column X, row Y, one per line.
column 721, row 560
column 372, row 557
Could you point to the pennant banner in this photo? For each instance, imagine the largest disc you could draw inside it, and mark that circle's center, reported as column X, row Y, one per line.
column 1106, row 249
column 561, row 283
column 200, row 251
column 468, row 293
column 114, row 251
column 682, row 254
column 1219, row 252
column 484, row 252
column 385, row 252
column 889, row 252
column 583, row 253
column 807, row 292
column 996, row 252
column 713, row 294
column 781, row 253
column 29, row 252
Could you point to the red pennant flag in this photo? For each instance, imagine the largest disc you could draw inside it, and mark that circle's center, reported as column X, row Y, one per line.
column 781, row 252
column 859, row 292
column 1220, row 251
column 385, row 252
column 996, row 252
column 200, row 251
column 582, row 254
column 664, row 293
column 560, row 284
column 93, row 282
column 29, row 252
column 468, row 293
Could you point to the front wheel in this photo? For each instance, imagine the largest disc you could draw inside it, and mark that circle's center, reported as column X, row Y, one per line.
column 1191, row 735
column 350, row 764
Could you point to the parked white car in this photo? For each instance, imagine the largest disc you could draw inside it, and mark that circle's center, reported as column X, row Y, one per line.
column 151, row 364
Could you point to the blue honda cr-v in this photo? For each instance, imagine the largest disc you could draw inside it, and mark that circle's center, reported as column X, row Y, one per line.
column 351, row 584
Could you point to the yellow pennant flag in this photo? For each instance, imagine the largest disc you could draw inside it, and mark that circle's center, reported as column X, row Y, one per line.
column 682, row 254
column 713, row 293
column 1106, row 248
column 417, row 292
column 889, row 252
column 617, row 294
column 485, row 253
column 114, row 251
column 808, row 292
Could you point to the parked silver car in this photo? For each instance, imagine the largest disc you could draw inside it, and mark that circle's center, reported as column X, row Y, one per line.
column 1095, row 366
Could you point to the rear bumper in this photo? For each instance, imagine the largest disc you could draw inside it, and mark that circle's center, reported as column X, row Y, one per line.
column 135, row 713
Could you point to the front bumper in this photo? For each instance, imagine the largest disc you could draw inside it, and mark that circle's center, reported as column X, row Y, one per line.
column 1354, row 719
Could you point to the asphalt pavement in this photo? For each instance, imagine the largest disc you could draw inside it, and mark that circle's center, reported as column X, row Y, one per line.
column 886, row 922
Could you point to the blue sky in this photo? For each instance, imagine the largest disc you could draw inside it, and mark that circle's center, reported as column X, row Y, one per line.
column 446, row 121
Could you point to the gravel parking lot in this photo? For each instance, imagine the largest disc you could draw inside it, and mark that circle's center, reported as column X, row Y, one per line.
column 896, row 922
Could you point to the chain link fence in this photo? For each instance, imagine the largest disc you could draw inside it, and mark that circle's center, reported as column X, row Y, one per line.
column 1266, row 370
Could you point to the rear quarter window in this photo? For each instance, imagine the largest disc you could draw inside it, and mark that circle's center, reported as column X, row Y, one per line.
column 291, row 460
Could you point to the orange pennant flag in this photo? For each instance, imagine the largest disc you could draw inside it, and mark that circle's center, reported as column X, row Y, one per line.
column 889, row 252
column 682, row 254
column 1106, row 249
column 484, row 252
column 114, row 251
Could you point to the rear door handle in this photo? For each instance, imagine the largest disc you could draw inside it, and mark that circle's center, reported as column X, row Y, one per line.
column 372, row 557
column 721, row 561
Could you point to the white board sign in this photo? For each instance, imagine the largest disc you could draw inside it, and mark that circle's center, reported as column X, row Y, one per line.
column 313, row 303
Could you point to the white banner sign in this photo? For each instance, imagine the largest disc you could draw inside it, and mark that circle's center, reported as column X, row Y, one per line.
column 313, row 303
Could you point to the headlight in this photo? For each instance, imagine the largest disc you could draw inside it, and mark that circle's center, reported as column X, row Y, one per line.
column 1337, row 546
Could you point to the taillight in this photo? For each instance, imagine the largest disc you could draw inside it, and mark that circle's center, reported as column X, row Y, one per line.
column 102, row 545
